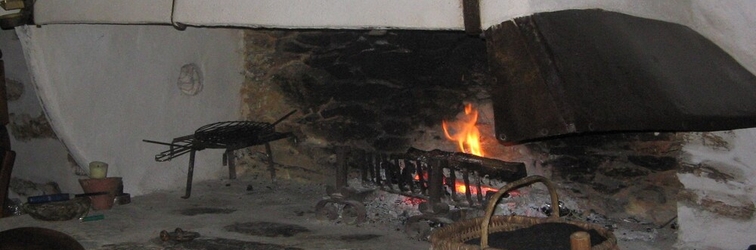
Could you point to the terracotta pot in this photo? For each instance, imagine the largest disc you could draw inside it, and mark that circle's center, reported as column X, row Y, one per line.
column 109, row 185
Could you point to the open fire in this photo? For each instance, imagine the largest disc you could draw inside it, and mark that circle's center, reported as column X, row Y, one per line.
column 465, row 132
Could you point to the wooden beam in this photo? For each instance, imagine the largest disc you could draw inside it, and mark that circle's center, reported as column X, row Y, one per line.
column 471, row 14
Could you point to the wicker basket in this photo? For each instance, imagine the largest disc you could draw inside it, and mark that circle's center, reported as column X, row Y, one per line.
column 455, row 235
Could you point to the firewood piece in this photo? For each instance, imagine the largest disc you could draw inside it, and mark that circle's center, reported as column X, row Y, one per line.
column 506, row 171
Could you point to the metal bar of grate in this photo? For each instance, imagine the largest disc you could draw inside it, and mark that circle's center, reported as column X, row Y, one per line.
column 400, row 177
column 451, row 182
column 468, row 194
column 479, row 186
column 422, row 172
column 364, row 164
column 408, row 174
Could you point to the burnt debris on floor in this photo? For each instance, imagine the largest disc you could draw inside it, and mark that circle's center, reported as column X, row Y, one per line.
column 200, row 244
column 205, row 210
column 267, row 229
column 223, row 244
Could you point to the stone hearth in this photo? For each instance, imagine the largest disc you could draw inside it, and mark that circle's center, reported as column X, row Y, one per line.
column 388, row 90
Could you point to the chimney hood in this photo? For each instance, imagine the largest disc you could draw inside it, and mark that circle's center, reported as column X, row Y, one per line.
column 578, row 71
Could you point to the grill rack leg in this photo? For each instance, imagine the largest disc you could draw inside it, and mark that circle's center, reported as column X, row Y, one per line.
column 190, row 174
column 271, row 165
column 228, row 158
column 341, row 167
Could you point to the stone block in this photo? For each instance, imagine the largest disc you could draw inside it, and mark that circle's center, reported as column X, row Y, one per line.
column 738, row 207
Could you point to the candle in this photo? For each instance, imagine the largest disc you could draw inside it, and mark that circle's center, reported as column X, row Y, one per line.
column 98, row 170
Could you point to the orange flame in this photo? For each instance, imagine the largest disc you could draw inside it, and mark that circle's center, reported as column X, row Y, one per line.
column 466, row 134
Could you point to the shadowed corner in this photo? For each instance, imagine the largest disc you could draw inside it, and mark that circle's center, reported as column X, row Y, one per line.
column 36, row 238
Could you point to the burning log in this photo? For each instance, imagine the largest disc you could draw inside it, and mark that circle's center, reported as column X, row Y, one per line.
column 493, row 168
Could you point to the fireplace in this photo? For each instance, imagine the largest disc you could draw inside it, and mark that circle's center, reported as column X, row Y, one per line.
column 386, row 90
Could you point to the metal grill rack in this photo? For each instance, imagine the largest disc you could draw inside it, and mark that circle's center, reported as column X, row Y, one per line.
column 228, row 135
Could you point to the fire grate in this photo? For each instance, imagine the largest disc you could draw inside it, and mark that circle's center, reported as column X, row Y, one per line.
column 441, row 179
column 437, row 175
column 229, row 135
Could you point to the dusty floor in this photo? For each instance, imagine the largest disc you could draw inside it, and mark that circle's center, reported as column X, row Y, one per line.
column 228, row 216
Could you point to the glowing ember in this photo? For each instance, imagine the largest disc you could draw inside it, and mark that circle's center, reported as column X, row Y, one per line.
column 460, row 188
column 464, row 132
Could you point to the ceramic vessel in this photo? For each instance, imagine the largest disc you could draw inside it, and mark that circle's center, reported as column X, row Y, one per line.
column 108, row 187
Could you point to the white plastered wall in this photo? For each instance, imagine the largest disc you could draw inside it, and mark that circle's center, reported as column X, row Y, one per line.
column 107, row 87
column 700, row 228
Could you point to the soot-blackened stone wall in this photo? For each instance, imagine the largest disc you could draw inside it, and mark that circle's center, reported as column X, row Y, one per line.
column 375, row 90
column 370, row 88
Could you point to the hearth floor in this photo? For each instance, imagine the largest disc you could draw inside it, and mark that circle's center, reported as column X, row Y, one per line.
column 228, row 216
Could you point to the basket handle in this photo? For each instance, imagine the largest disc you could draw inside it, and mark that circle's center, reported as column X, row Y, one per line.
column 512, row 185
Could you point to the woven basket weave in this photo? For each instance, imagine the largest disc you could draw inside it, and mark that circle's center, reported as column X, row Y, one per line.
column 59, row 210
column 455, row 235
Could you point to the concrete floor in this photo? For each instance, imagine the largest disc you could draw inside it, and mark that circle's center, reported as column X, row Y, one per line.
column 228, row 216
